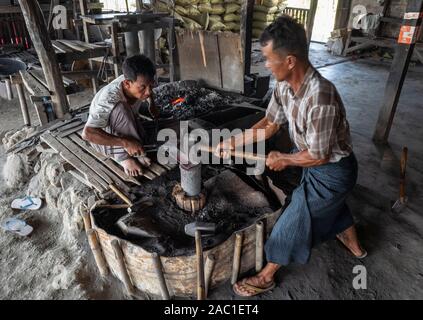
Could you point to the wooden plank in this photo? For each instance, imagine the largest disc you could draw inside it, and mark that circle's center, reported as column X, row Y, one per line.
column 60, row 46
column 37, row 29
column 105, row 160
column 232, row 61
column 91, row 162
column 42, row 115
column 72, row 130
column 66, row 127
column 34, row 87
column 99, row 184
column 75, row 45
column 197, row 66
column 399, row 68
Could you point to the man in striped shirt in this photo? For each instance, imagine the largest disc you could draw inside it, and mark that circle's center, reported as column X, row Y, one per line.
column 311, row 108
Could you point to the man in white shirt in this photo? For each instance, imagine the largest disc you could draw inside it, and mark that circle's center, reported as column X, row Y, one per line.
column 113, row 127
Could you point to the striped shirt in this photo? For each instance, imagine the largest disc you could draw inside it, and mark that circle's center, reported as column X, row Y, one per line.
column 315, row 116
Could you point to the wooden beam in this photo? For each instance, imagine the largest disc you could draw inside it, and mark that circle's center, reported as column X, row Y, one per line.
column 247, row 10
column 40, row 38
column 311, row 18
column 398, row 73
column 84, row 11
column 34, row 87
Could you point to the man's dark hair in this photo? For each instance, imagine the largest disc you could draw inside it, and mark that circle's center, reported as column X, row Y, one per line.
column 138, row 65
column 288, row 36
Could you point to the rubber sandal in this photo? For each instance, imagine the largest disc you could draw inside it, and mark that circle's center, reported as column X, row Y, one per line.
column 17, row 226
column 364, row 255
column 256, row 290
column 27, row 203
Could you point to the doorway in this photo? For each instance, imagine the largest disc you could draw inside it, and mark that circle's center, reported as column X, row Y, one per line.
column 324, row 21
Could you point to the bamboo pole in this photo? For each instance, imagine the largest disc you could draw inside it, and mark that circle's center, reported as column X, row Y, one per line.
column 87, row 219
column 200, row 266
column 158, row 268
column 123, row 272
column 208, row 271
column 97, row 252
column 237, row 258
column 259, row 245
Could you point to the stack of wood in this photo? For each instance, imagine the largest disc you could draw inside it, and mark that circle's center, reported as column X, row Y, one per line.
column 95, row 170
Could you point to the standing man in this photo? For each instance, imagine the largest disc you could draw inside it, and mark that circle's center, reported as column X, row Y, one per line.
column 113, row 125
column 313, row 111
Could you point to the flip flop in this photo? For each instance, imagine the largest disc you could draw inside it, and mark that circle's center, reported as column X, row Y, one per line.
column 27, row 203
column 364, row 255
column 256, row 290
column 17, row 226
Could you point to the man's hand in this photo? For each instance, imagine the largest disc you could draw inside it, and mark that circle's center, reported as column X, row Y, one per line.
column 225, row 149
column 275, row 161
column 153, row 109
column 133, row 147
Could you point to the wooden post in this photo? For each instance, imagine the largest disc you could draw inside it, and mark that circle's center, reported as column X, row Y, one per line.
column 208, row 271
column 247, row 10
column 172, row 50
column 84, row 11
column 259, row 245
column 158, row 268
column 148, row 42
column 201, row 290
column 403, row 54
column 342, row 14
column 9, row 92
column 123, row 272
column 311, row 17
column 115, row 47
column 237, row 258
column 98, row 254
column 22, row 102
column 39, row 35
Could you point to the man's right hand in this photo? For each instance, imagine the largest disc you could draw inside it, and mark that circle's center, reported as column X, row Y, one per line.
column 133, row 147
column 224, row 149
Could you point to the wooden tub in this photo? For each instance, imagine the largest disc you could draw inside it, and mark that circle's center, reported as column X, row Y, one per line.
column 180, row 272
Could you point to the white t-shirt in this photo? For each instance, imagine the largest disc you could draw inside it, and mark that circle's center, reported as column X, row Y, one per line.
column 105, row 101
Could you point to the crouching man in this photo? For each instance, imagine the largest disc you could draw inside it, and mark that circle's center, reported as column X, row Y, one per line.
column 113, row 127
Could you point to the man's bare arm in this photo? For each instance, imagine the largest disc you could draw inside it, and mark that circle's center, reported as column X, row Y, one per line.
column 278, row 161
column 101, row 137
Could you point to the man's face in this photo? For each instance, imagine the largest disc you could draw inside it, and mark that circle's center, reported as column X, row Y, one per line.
column 140, row 89
column 281, row 66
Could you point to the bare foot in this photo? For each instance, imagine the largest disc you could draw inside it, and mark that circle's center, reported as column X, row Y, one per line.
column 250, row 287
column 132, row 167
column 350, row 240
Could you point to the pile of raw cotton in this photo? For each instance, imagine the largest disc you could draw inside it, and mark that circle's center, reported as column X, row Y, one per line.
column 265, row 12
column 212, row 15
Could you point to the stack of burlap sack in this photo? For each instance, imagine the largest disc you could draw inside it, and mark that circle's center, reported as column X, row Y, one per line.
column 221, row 15
column 265, row 12
column 212, row 15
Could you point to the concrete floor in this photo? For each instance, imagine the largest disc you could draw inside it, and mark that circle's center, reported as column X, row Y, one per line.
column 395, row 262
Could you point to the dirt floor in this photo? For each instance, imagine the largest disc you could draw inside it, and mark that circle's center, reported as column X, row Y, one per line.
column 54, row 264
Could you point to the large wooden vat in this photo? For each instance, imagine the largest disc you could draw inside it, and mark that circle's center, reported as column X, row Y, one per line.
column 180, row 272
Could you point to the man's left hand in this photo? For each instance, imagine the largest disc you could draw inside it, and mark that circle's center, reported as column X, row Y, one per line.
column 275, row 161
column 153, row 109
